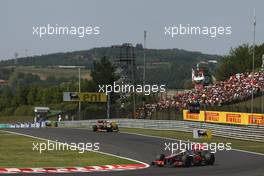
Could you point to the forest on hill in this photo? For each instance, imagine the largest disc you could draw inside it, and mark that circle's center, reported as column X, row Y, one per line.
column 171, row 67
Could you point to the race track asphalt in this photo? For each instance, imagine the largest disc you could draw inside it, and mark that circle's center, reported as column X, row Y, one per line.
column 145, row 149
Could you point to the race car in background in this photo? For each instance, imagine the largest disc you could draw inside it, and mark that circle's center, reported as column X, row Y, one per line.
column 105, row 126
column 185, row 158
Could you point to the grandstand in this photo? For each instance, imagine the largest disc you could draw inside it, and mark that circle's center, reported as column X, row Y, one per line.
column 237, row 88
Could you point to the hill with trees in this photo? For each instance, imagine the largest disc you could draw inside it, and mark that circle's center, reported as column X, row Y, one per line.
column 239, row 60
column 25, row 91
column 171, row 67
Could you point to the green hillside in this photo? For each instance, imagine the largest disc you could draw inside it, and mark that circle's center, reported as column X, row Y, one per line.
column 164, row 66
column 47, row 72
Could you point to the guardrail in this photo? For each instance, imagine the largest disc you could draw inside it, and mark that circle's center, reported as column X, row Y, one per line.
column 251, row 133
column 24, row 125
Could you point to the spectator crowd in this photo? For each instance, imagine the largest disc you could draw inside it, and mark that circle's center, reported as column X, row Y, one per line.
column 238, row 87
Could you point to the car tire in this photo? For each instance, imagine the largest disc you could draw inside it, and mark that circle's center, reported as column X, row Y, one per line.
column 95, row 128
column 209, row 158
column 186, row 160
column 109, row 129
column 160, row 157
column 171, row 163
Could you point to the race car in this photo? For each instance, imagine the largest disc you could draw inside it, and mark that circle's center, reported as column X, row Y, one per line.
column 185, row 158
column 105, row 126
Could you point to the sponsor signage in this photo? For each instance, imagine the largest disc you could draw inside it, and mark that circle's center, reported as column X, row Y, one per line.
column 256, row 119
column 71, row 96
column 191, row 116
column 212, row 116
column 233, row 118
column 92, row 97
column 24, row 125
column 225, row 117
column 202, row 134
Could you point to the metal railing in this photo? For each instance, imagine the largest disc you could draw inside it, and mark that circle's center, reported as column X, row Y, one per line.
column 251, row 133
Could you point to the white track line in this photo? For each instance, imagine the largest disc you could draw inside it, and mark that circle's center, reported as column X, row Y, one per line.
column 173, row 139
column 109, row 154
column 159, row 137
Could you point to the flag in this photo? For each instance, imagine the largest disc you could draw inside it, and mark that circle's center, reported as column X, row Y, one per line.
column 193, row 74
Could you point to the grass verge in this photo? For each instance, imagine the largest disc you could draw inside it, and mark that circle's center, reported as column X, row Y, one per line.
column 14, row 119
column 235, row 144
column 17, row 151
column 44, row 73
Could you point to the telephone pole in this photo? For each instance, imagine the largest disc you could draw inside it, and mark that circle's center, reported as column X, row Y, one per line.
column 262, row 88
column 79, row 83
column 144, row 69
column 253, row 64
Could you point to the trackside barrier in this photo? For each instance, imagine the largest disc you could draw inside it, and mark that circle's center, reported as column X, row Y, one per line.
column 4, row 125
column 251, row 133
column 24, row 125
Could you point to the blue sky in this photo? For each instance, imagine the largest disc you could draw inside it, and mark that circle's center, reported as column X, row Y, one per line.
column 124, row 21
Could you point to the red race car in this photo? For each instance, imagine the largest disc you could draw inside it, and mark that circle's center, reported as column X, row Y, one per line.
column 185, row 158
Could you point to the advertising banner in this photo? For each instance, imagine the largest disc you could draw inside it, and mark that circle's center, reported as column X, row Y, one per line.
column 4, row 125
column 92, row 97
column 24, row 125
column 255, row 119
column 192, row 116
column 225, row 117
column 71, row 96
column 202, row 134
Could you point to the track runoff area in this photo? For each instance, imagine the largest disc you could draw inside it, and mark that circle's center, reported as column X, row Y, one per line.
column 130, row 154
column 82, row 151
column 50, row 156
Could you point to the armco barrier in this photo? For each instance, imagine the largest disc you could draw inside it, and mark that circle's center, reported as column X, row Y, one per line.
column 4, row 125
column 251, row 133
column 24, row 125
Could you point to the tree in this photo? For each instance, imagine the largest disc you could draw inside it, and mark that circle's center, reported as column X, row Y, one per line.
column 239, row 60
column 6, row 97
column 32, row 95
column 103, row 73
column 20, row 97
